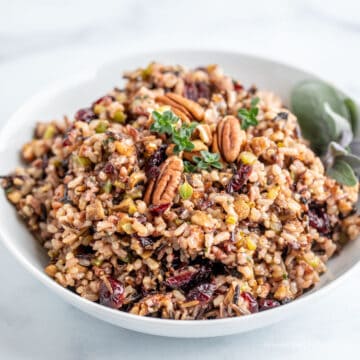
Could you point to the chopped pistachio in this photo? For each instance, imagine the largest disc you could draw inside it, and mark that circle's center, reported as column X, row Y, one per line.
column 101, row 127
column 96, row 262
column 119, row 117
column 178, row 221
column 134, row 194
column 107, row 187
column 146, row 72
column 119, row 184
column 248, row 158
column 186, row 191
column 49, row 132
column 273, row 192
column 98, row 109
column 314, row 262
column 250, row 243
column 82, row 161
column 127, row 228
column 231, row 220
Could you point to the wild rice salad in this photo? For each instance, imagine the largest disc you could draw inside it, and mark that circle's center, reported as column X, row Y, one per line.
column 182, row 196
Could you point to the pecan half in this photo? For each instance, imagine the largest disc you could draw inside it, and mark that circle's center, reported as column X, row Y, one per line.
column 230, row 138
column 177, row 109
column 194, row 108
column 163, row 189
column 186, row 108
column 204, row 133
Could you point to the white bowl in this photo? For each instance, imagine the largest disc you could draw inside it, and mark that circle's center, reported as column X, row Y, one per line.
column 79, row 91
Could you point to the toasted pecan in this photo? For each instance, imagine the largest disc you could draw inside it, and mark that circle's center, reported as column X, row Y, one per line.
column 178, row 109
column 163, row 189
column 194, row 108
column 230, row 138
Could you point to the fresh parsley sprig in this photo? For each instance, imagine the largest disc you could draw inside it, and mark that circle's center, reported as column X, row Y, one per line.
column 165, row 123
column 248, row 117
column 203, row 162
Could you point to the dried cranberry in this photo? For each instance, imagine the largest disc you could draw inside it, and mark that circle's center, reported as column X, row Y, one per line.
column 190, row 91
column 282, row 115
column 266, row 304
column 180, row 280
column 146, row 242
column 66, row 142
column 153, row 172
column 141, row 218
column 195, row 91
column 253, row 305
column 239, row 179
column 114, row 298
column 104, row 99
column 202, row 275
column 84, row 252
column 238, row 87
column 85, row 115
column 158, row 209
column 202, row 293
column 109, row 169
column 204, row 204
column 318, row 218
column 203, row 90
column 152, row 166
column 188, row 279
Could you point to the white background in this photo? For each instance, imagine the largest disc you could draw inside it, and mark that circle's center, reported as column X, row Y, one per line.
column 41, row 41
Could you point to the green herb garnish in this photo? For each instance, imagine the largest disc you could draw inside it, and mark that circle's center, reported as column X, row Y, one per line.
column 329, row 120
column 165, row 123
column 203, row 162
column 181, row 138
column 189, row 167
column 248, row 117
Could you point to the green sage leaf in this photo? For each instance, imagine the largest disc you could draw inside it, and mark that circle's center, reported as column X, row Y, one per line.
column 342, row 126
column 307, row 103
column 354, row 115
column 342, row 172
column 353, row 161
column 355, row 147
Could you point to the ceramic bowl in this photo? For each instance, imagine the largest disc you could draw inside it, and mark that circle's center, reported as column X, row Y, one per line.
column 65, row 97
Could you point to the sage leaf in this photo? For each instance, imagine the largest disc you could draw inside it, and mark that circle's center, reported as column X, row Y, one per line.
column 355, row 147
column 307, row 103
column 342, row 173
column 334, row 150
column 354, row 115
column 342, row 126
column 353, row 161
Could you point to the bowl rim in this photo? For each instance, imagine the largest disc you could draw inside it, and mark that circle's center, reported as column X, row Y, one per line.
column 76, row 300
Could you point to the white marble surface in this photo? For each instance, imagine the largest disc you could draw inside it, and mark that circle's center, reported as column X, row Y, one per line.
column 41, row 41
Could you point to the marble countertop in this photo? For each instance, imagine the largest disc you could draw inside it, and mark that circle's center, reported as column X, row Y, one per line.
column 41, row 42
